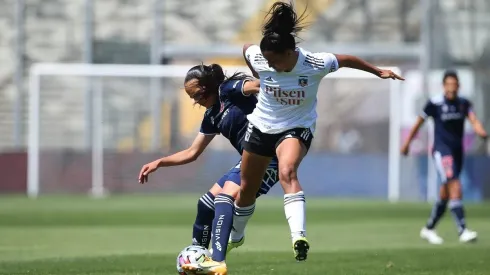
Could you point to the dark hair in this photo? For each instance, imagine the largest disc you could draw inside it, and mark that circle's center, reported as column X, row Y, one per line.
column 281, row 28
column 449, row 73
column 211, row 77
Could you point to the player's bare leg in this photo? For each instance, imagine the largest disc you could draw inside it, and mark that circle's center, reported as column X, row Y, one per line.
column 428, row 232
column 456, row 206
column 253, row 168
column 290, row 153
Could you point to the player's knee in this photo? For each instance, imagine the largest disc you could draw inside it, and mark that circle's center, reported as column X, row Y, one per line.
column 231, row 189
column 454, row 189
column 443, row 193
column 288, row 174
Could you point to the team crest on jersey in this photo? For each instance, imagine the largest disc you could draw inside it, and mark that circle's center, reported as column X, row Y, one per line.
column 303, row 81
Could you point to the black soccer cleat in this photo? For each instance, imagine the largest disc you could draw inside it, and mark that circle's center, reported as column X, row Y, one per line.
column 301, row 247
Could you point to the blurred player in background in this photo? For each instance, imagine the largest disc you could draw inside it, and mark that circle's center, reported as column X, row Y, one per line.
column 227, row 102
column 449, row 112
column 284, row 120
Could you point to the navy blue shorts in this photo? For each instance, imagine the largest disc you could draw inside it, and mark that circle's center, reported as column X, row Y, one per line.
column 270, row 178
column 448, row 162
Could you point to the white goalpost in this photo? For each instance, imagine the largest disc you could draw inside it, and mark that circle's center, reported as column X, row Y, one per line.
column 39, row 86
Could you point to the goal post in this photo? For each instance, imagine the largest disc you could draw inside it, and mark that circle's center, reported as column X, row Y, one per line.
column 98, row 73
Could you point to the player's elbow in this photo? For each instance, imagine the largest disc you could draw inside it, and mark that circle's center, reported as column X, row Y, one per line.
column 420, row 121
column 475, row 122
column 192, row 154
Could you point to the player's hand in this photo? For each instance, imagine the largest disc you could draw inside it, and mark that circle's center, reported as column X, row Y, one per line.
column 405, row 149
column 386, row 74
column 146, row 170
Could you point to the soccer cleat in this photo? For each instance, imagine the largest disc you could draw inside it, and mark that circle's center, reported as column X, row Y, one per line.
column 431, row 236
column 468, row 236
column 301, row 247
column 208, row 267
column 232, row 245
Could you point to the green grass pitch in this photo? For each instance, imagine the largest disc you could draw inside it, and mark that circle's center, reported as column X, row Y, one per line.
column 143, row 235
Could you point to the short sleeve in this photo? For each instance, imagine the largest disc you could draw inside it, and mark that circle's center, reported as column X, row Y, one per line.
column 325, row 62
column 254, row 56
column 429, row 110
column 207, row 128
column 232, row 88
column 468, row 107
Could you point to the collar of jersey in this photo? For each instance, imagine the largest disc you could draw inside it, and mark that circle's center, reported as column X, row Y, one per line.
column 446, row 100
column 218, row 103
column 299, row 61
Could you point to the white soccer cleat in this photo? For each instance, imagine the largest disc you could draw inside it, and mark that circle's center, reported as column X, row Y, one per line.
column 431, row 236
column 468, row 236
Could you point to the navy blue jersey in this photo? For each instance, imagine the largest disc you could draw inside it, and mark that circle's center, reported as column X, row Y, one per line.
column 228, row 116
column 449, row 117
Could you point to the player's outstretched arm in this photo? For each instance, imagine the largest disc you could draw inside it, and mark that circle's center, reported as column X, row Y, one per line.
column 183, row 157
column 477, row 126
column 254, row 73
column 355, row 62
column 412, row 134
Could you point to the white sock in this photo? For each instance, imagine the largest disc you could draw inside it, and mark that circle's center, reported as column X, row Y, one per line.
column 295, row 210
column 241, row 215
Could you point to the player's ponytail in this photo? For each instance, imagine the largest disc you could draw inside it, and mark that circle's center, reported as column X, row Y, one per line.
column 281, row 28
column 217, row 72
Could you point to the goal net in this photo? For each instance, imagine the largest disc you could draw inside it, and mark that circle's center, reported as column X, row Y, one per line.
column 92, row 127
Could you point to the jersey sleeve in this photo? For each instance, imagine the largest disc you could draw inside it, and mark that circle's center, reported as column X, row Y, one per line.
column 325, row 62
column 233, row 88
column 207, row 128
column 429, row 110
column 468, row 107
column 256, row 59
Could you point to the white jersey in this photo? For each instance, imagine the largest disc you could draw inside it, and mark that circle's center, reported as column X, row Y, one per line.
column 288, row 100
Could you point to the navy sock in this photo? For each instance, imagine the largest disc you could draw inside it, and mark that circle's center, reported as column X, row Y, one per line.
column 438, row 211
column 457, row 209
column 222, row 224
column 201, row 233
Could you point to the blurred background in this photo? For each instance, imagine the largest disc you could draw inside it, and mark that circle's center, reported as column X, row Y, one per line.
column 144, row 118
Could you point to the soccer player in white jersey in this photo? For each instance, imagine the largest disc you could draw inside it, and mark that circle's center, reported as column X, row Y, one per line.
column 283, row 121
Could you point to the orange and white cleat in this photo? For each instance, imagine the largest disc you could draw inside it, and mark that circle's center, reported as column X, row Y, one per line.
column 208, row 267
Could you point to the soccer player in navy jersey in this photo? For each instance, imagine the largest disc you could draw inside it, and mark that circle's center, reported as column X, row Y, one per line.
column 449, row 112
column 228, row 100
